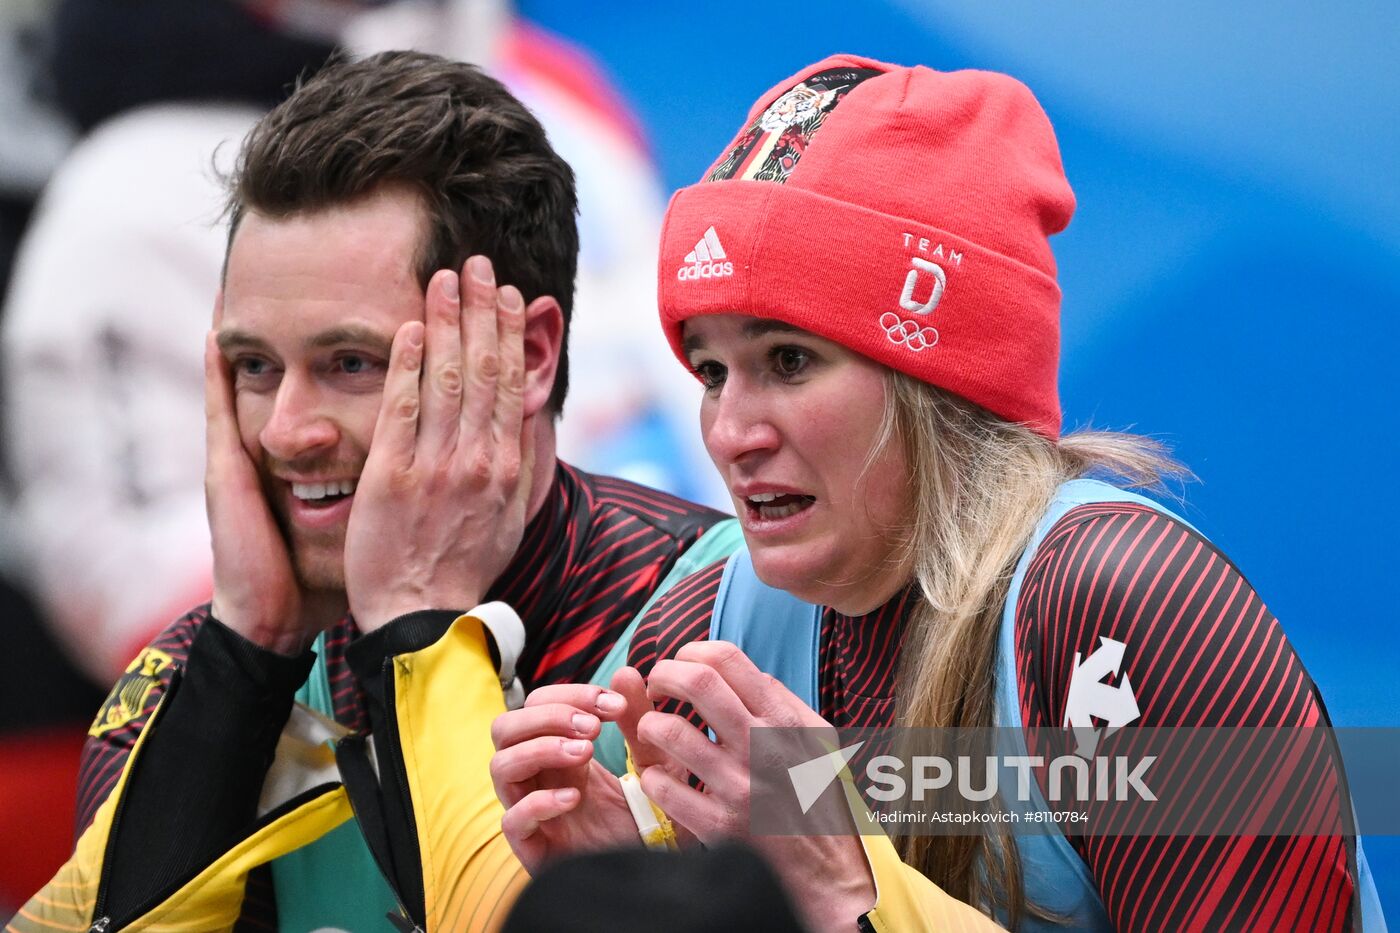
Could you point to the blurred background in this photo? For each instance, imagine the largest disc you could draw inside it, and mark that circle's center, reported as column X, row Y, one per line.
column 1231, row 281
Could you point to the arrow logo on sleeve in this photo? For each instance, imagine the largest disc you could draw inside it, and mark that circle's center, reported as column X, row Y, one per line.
column 1090, row 698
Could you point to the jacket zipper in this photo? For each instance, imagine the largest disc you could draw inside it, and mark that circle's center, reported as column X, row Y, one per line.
column 401, row 773
column 354, row 747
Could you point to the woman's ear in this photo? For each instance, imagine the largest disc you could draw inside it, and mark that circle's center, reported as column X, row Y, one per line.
column 544, row 342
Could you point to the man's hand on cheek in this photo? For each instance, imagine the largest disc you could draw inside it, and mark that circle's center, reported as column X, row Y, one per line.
column 255, row 589
column 440, row 507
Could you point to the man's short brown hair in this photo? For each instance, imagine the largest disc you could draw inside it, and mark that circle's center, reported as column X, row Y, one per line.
column 489, row 180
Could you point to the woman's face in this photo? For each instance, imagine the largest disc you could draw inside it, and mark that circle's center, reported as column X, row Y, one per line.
column 789, row 419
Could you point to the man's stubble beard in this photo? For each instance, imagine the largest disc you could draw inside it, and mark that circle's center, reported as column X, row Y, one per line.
column 318, row 560
column 318, row 563
column 318, row 557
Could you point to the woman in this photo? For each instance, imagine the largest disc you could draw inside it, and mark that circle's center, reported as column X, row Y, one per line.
column 864, row 285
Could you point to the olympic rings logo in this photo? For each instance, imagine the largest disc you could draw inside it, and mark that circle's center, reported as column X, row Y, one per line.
column 908, row 333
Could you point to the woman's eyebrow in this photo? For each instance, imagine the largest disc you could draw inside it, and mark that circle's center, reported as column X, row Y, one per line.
column 758, row 327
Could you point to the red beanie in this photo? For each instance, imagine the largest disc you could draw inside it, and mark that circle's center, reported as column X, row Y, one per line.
column 901, row 212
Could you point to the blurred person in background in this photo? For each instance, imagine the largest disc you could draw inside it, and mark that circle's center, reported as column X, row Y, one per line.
column 107, row 310
column 102, row 433
column 109, row 510
column 45, row 702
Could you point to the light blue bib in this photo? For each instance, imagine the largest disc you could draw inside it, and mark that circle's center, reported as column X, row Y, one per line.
column 715, row 544
column 334, row 882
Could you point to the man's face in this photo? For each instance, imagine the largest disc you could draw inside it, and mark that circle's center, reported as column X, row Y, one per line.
column 311, row 304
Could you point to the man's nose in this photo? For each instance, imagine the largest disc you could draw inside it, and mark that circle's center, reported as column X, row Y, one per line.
column 299, row 424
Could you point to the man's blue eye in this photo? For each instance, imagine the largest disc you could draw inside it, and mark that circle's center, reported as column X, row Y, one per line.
column 353, row 364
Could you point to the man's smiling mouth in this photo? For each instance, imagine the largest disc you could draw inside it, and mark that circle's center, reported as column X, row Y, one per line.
column 324, row 493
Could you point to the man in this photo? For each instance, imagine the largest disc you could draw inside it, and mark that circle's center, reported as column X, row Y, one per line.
column 380, row 440
column 119, row 491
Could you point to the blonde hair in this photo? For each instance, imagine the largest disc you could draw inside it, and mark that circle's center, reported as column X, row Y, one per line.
column 979, row 486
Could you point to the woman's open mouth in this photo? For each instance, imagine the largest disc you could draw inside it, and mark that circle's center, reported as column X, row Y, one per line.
column 771, row 506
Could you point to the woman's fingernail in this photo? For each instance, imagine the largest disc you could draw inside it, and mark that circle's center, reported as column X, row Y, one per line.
column 610, row 703
column 575, row 747
column 415, row 337
column 583, row 722
column 480, row 268
column 566, row 794
column 511, row 298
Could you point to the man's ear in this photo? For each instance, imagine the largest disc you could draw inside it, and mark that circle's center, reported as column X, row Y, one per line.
column 544, row 341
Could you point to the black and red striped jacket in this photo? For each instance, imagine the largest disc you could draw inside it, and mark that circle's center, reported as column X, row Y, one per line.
column 1207, row 652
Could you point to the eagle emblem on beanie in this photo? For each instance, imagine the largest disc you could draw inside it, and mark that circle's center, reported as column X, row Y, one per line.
column 769, row 149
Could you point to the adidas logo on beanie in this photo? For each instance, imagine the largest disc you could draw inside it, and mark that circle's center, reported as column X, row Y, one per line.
column 706, row 260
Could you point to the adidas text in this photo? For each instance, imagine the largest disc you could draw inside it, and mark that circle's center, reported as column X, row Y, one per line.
column 705, row 270
column 706, row 260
